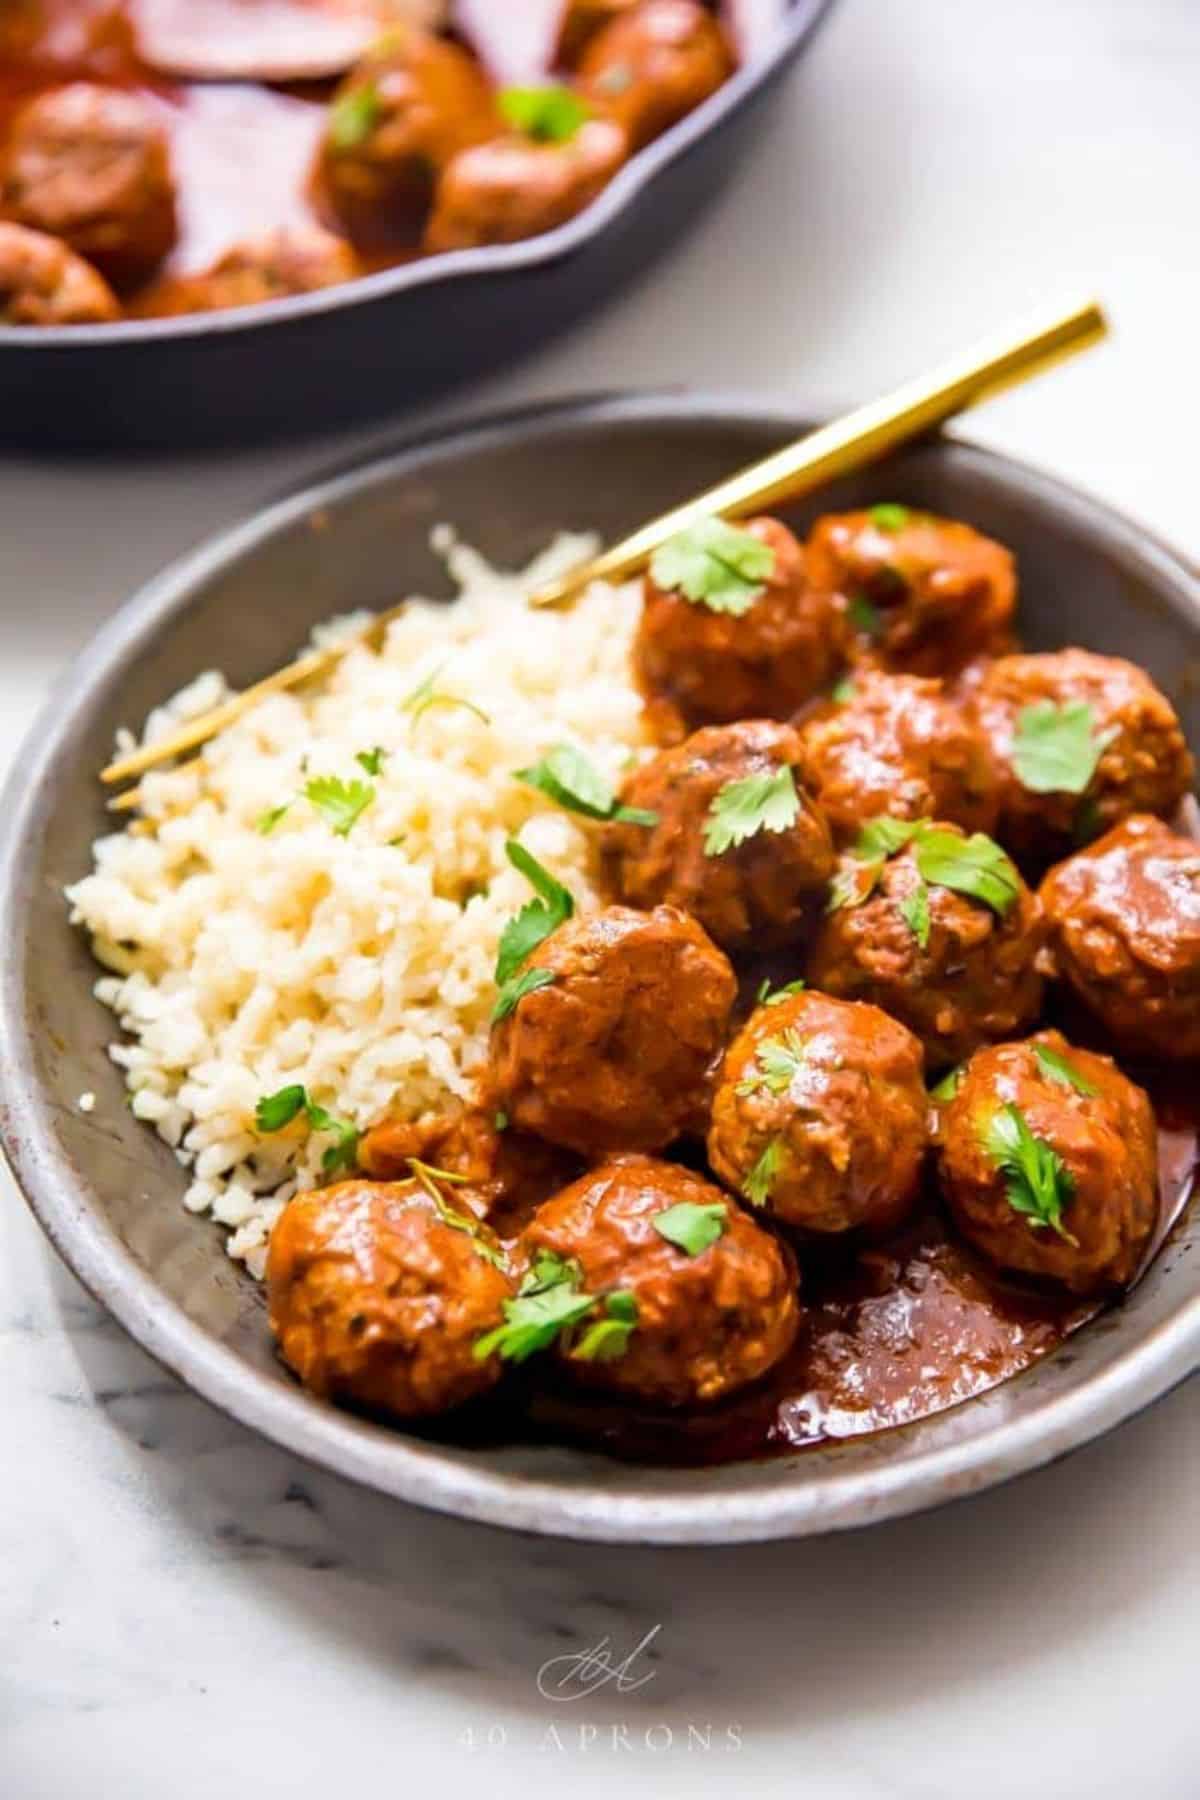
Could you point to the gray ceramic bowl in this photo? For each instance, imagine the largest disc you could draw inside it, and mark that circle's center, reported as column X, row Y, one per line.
column 107, row 1191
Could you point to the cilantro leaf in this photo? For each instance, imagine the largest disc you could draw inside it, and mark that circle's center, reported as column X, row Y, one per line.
column 975, row 866
column 884, row 836
column 843, row 690
column 354, row 116
column 1037, row 1182
column 567, row 777
column 889, row 517
column 949, row 1085
column 1059, row 1069
column 779, row 1059
column 864, row 615
column 372, row 760
column 534, row 923
column 500, row 1122
column 758, row 1184
column 274, row 1111
column 768, row 997
column 714, row 564
column 340, row 803
column 914, row 910
column 859, row 873
column 1055, row 749
column 609, row 1337
column 548, row 1301
column 513, row 991
column 548, row 115
column 691, row 1227
column 430, row 1178
column 266, row 822
column 743, row 808
column 427, row 695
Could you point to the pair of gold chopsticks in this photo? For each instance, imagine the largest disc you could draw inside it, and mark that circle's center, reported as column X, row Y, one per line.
column 861, row 437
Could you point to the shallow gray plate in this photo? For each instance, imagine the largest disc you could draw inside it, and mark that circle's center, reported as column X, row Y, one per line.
column 107, row 1191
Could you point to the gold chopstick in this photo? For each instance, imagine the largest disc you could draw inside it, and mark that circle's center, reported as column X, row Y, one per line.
column 849, row 443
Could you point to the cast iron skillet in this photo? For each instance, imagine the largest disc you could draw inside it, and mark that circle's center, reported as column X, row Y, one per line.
column 107, row 1191
column 327, row 359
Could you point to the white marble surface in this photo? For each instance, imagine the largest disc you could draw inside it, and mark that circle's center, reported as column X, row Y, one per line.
column 184, row 1611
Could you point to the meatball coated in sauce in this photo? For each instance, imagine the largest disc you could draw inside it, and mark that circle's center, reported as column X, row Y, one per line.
column 976, row 978
column 294, row 260
column 515, row 187
column 1094, row 1160
column 44, row 283
column 396, row 121
column 91, row 165
column 922, row 595
column 707, row 1324
column 765, row 891
column 581, row 20
column 1124, row 919
column 1142, row 762
column 618, row 1052
column 820, row 1115
column 376, row 1300
column 897, row 745
column 653, row 65
column 508, row 1172
column 766, row 662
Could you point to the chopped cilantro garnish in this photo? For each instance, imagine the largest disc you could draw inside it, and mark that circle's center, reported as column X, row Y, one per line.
column 1059, row 1069
column 691, row 1227
column 743, row 808
column 426, row 695
column 768, row 996
column 567, row 777
column 430, row 1179
column 949, row 1085
column 266, row 822
column 1037, row 1182
column 548, row 1301
column 843, row 690
column 975, row 866
column 535, row 921
column 1056, row 749
column 513, row 991
column 372, row 760
column 608, row 1337
column 501, row 1121
column 274, row 1111
column 779, row 1059
column 714, row 564
column 354, row 116
column 340, row 803
column 914, row 910
column 548, row 115
column 758, row 1184
column 889, row 517
column 864, row 615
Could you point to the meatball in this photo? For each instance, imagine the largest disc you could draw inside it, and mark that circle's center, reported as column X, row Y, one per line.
column 709, row 1315
column 762, row 662
column 897, row 745
column 1124, row 920
column 396, row 121
column 376, row 1299
column 618, row 1050
column 922, row 594
column 958, row 970
column 292, row 260
column 654, row 64
column 581, row 20
column 517, row 187
column 90, row 165
column 764, row 890
column 506, row 1171
column 820, row 1116
column 44, row 283
column 1049, row 1163
column 1079, row 741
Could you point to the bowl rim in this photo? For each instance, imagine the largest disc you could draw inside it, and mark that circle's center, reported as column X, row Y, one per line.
column 412, row 1469
column 642, row 169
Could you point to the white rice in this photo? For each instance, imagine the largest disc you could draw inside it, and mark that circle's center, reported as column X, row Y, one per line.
column 360, row 966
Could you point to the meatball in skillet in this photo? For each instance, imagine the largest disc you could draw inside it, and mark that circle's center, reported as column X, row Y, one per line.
column 1124, row 921
column 921, row 594
column 692, row 1299
column 940, row 931
column 296, row 259
column 377, row 1298
column 506, row 1171
column 409, row 106
column 44, row 283
column 654, row 64
column 91, row 165
column 518, row 186
column 731, row 628
column 738, row 843
column 820, row 1116
column 897, row 745
column 615, row 1050
column 1049, row 1163
column 1079, row 741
